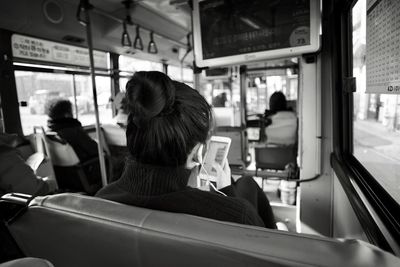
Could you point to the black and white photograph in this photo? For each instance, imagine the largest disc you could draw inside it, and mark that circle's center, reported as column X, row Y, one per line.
column 199, row 133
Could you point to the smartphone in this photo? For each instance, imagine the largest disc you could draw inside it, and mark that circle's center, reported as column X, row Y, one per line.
column 217, row 151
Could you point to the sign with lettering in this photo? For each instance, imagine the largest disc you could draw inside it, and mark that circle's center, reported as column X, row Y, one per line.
column 48, row 51
column 383, row 47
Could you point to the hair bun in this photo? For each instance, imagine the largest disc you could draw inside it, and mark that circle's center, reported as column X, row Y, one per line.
column 150, row 94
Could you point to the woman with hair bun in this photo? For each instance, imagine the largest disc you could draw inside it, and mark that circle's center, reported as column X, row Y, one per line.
column 168, row 123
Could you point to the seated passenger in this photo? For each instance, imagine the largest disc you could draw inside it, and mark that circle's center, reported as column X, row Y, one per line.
column 283, row 127
column 167, row 125
column 220, row 100
column 122, row 112
column 70, row 129
column 15, row 175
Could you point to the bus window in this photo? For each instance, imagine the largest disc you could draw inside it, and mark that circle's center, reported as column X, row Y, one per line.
column 223, row 93
column 261, row 85
column 133, row 64
column 122, row 83
column 84, row 105
column 34, row 90
column 376, row 115
column 128, row 65
column 185, row 76
column 103, row 86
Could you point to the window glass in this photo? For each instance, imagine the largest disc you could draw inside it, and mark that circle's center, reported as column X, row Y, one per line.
column 224, row 96
column 122, row 84
column 103, row 86
column 84, row 99
column 376, row 116
column 131, row 64
column 261, row 85
column 180, row 74
column 35, row 89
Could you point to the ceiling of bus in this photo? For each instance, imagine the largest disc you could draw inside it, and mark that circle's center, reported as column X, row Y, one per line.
column 170, row 18
column 172, row 11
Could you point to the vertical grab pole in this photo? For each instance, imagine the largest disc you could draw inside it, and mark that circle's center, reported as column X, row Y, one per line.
column 86, row 6
column 75, row 101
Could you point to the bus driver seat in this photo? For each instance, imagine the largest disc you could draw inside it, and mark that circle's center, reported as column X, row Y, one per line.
column 78, row 230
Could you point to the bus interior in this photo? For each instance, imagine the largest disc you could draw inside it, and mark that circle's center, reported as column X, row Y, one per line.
column 335, row 188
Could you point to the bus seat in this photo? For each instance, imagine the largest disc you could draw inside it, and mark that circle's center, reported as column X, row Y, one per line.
column 27, row 262
column 275, row 157
column 114, row 135
column 71, row 174
column 77, row 230
column 224, row 116
column 61, row 153
column 40, row 160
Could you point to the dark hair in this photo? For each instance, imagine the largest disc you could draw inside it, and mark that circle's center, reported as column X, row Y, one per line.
column 166, row 120
column 59, row 108
column 277, row 102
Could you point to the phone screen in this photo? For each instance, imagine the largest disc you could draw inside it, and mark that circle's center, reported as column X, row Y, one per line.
column 216, row 153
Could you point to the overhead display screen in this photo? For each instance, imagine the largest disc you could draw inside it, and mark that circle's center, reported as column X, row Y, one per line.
column 225, row 28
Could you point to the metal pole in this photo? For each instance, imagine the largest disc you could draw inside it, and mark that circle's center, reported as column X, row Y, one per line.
column 75, row 101
column 87, row 8
column 243, row 96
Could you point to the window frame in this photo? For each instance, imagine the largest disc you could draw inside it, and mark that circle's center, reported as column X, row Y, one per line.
column 373, row 206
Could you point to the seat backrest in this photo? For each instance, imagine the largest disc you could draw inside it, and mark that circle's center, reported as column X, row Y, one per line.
column 275, row 157
column 40, row 161
column 114, row 135
column 224, row 116
column 76, row 230
column 61, row 153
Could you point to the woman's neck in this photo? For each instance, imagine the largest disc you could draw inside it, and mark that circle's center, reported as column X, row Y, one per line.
column 151, row 180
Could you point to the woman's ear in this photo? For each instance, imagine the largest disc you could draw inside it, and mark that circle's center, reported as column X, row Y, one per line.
column 193, row 159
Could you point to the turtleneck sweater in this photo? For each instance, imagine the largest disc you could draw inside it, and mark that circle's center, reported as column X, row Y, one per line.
column 165, row 188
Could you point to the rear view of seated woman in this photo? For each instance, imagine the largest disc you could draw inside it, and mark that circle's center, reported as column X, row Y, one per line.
column 168, row 123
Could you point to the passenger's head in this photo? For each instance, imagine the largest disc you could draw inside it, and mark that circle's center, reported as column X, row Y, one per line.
column 59, row 108
column 277, row 102
column 167, row 119
column 124, row 108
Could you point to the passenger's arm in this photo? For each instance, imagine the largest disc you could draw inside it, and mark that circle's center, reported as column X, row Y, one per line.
column 16, row 176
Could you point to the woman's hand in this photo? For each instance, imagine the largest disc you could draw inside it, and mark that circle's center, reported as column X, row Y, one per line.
column 223, row 174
